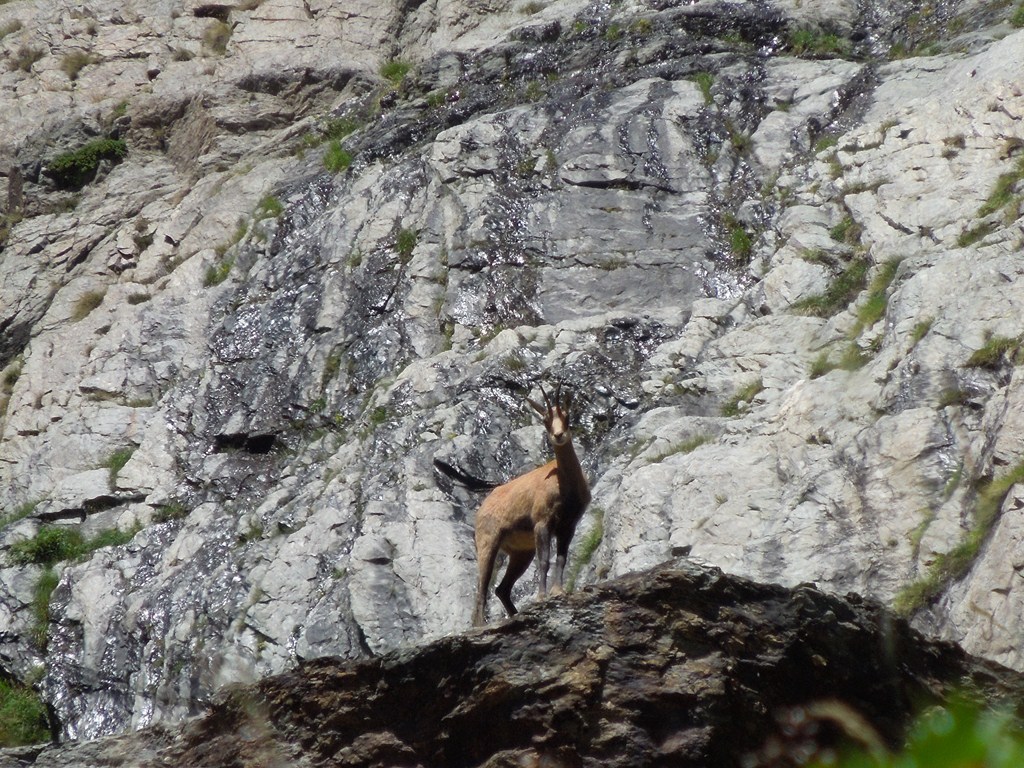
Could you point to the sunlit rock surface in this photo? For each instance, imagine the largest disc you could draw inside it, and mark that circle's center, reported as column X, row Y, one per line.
column 248, row 363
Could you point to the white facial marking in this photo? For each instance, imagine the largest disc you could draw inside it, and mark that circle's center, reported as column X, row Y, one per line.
column 559, row 430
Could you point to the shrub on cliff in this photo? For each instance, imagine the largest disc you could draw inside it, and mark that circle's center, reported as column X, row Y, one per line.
column 75, row 169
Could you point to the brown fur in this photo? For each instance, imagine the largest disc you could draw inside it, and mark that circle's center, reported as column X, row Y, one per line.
column 520, row 517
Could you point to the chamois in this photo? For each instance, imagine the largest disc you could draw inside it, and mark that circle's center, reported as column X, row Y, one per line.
column 520, row 517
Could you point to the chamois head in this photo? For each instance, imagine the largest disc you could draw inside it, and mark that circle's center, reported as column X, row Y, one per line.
column 555, row 415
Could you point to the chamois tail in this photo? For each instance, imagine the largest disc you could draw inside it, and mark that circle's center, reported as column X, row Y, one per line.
column 463, row 479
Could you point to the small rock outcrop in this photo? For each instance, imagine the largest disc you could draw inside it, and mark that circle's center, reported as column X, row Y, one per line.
column 680, row 666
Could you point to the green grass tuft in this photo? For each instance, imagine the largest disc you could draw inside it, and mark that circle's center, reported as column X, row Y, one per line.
column 405, row 243
column 26, row 56
column 686, row 446
column 395, row 70
column 217, row 273
column 51, row 545
column 73, row 63
column 216, row 37
column 740, row 242
column 116, row 461
column 840, row 293
column 587, row 547
column 814, row 43
column 704, row 81
column 86, row 303
column 949, row 566
column 873, row 308
column 22, row 716
column 1017, row 17
column 269, row 207
column 1003, row 194
column 996, row 351
column 960, row 733
column 740, row 402
column 58, row 543
column 337, row 158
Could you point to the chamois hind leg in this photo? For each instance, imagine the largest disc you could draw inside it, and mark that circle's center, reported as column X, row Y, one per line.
column 486, row 554
column 518, row 562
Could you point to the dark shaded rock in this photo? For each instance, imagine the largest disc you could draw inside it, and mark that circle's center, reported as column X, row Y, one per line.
column 681, row 666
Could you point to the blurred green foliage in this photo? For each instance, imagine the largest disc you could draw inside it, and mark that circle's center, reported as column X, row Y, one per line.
column 960, row 734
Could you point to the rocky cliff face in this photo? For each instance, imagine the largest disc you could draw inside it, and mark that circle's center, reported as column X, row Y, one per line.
column 678, row 666
column 263, row 263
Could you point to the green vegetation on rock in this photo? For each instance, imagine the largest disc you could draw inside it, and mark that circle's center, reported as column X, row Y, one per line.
column 958, row 734
column 949, row 566
column 73, row 170
column 395, row 70
column 22, row 716
column 840, row 293
column 337, row 158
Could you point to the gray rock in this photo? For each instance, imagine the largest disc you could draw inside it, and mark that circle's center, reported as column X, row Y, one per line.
column 285, row 350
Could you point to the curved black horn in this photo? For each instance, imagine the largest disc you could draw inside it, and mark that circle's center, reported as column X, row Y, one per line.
column 538, row 407
column 547, row 400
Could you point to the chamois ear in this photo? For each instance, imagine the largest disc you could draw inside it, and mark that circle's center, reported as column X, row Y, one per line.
column 538, row 407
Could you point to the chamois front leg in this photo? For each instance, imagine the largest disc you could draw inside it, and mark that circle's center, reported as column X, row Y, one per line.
column 561, row 555
column 542, row 537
